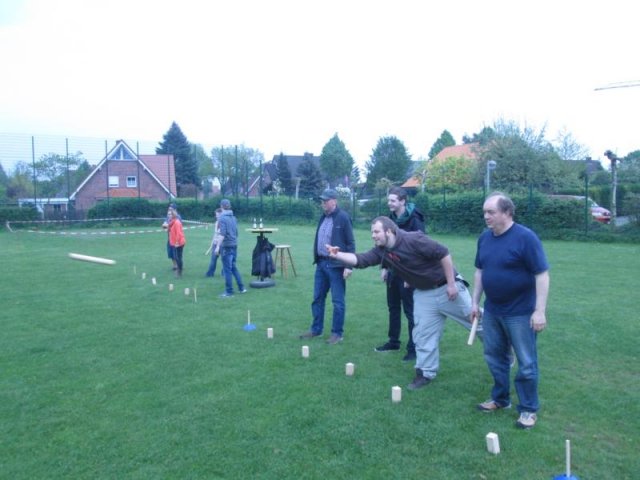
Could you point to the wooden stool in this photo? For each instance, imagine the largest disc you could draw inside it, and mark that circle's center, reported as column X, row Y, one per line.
column 284, row 261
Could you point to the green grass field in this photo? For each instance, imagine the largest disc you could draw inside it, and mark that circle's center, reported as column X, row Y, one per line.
column 104, row 375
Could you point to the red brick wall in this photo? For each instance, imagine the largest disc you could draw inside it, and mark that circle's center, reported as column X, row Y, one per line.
column 96, row 187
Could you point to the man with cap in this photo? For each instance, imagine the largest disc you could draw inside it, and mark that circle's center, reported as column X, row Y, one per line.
column 334, row 228
column 229, row 249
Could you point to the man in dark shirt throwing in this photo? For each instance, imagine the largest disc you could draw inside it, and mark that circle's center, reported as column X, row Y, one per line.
column 439, row 292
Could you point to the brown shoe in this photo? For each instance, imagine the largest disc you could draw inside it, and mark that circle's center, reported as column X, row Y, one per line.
column 491, row 406
column 309, row 334
column 420, row 381
column 333, row 339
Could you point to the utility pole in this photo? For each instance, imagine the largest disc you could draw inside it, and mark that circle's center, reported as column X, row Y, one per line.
column 614, row 183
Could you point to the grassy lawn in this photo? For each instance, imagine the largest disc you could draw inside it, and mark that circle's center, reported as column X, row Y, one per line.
column 104, row 375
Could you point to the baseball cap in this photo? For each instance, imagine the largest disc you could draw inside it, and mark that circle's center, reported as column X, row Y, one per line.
column 225, row 203
column 329, row 193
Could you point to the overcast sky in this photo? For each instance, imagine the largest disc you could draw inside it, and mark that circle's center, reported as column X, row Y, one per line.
column 282, row 75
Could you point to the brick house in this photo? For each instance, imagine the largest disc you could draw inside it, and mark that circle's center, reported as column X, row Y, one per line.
column 124, row 174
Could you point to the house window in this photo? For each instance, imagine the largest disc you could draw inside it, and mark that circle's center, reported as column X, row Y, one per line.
column 114, row 181
column 132, row 182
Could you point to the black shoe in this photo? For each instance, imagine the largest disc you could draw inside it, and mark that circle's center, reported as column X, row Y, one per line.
column 419, row 382
column 409, row 357
column 387, row 347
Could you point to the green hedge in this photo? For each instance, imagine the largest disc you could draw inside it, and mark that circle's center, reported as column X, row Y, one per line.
column 17, row 214
column 459, row 213
column 272, row 209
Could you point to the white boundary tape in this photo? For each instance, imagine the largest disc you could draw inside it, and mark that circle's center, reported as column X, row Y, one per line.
column 195, row 224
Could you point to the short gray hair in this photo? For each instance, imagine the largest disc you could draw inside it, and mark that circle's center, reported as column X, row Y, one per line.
column 505, row 204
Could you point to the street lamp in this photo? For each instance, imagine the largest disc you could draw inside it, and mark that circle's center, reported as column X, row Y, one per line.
column 491, row 165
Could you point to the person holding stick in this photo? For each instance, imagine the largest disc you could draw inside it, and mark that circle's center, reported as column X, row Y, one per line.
column 513, row 272
column 214, row 248
column 439, row 292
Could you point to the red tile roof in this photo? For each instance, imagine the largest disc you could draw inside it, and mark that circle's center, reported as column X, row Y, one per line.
column 467, row 150
column 163, row 167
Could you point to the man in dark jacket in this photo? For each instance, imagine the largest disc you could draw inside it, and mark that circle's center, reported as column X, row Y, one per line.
column 334, row 228
column 400, row 295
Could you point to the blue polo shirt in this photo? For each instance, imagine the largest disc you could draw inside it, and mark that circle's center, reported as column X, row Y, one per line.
column 509, row 264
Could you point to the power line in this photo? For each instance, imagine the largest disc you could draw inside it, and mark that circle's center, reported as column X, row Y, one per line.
column 632, row 83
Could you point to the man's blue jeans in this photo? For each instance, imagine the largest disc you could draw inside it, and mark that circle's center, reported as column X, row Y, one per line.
column 328, row 278
column 212, row 265
column 228, row 255
column 500, row 333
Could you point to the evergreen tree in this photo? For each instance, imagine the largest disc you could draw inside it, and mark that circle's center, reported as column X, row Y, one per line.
column 310, row 179
column 284, row 174
column 445, row 140
column 175, row 143
column 335, row 160
column 389, row 160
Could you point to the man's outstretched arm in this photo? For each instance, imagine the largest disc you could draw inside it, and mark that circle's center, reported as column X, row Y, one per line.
column 344, row 257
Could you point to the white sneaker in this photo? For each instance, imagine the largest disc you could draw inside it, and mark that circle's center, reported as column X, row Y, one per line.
column 527, row 420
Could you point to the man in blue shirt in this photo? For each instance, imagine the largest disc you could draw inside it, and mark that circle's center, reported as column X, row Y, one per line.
column 513, row 272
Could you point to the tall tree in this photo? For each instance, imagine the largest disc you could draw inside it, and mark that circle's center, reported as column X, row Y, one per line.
column 20, row 182
column 4, row 179
column 484, row 137
column 53, row 173
column 445, row 140
column 389, row 160
column 310, row 179
column 525, row 159
column 335, row 161
column 202, row 159
column 629, row 168
column 284, row 175
column 454, row 173
column 568, row 148
column 233, row 163
column 175, row 143
column 4, row 182
column 79, row 174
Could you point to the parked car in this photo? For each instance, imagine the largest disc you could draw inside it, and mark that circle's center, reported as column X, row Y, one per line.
column 600, row 214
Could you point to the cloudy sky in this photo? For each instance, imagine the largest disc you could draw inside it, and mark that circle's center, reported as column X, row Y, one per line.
column 285, row 75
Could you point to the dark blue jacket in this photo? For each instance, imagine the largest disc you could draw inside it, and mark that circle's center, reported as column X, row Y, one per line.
column 341, row 236
column 411, row 221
